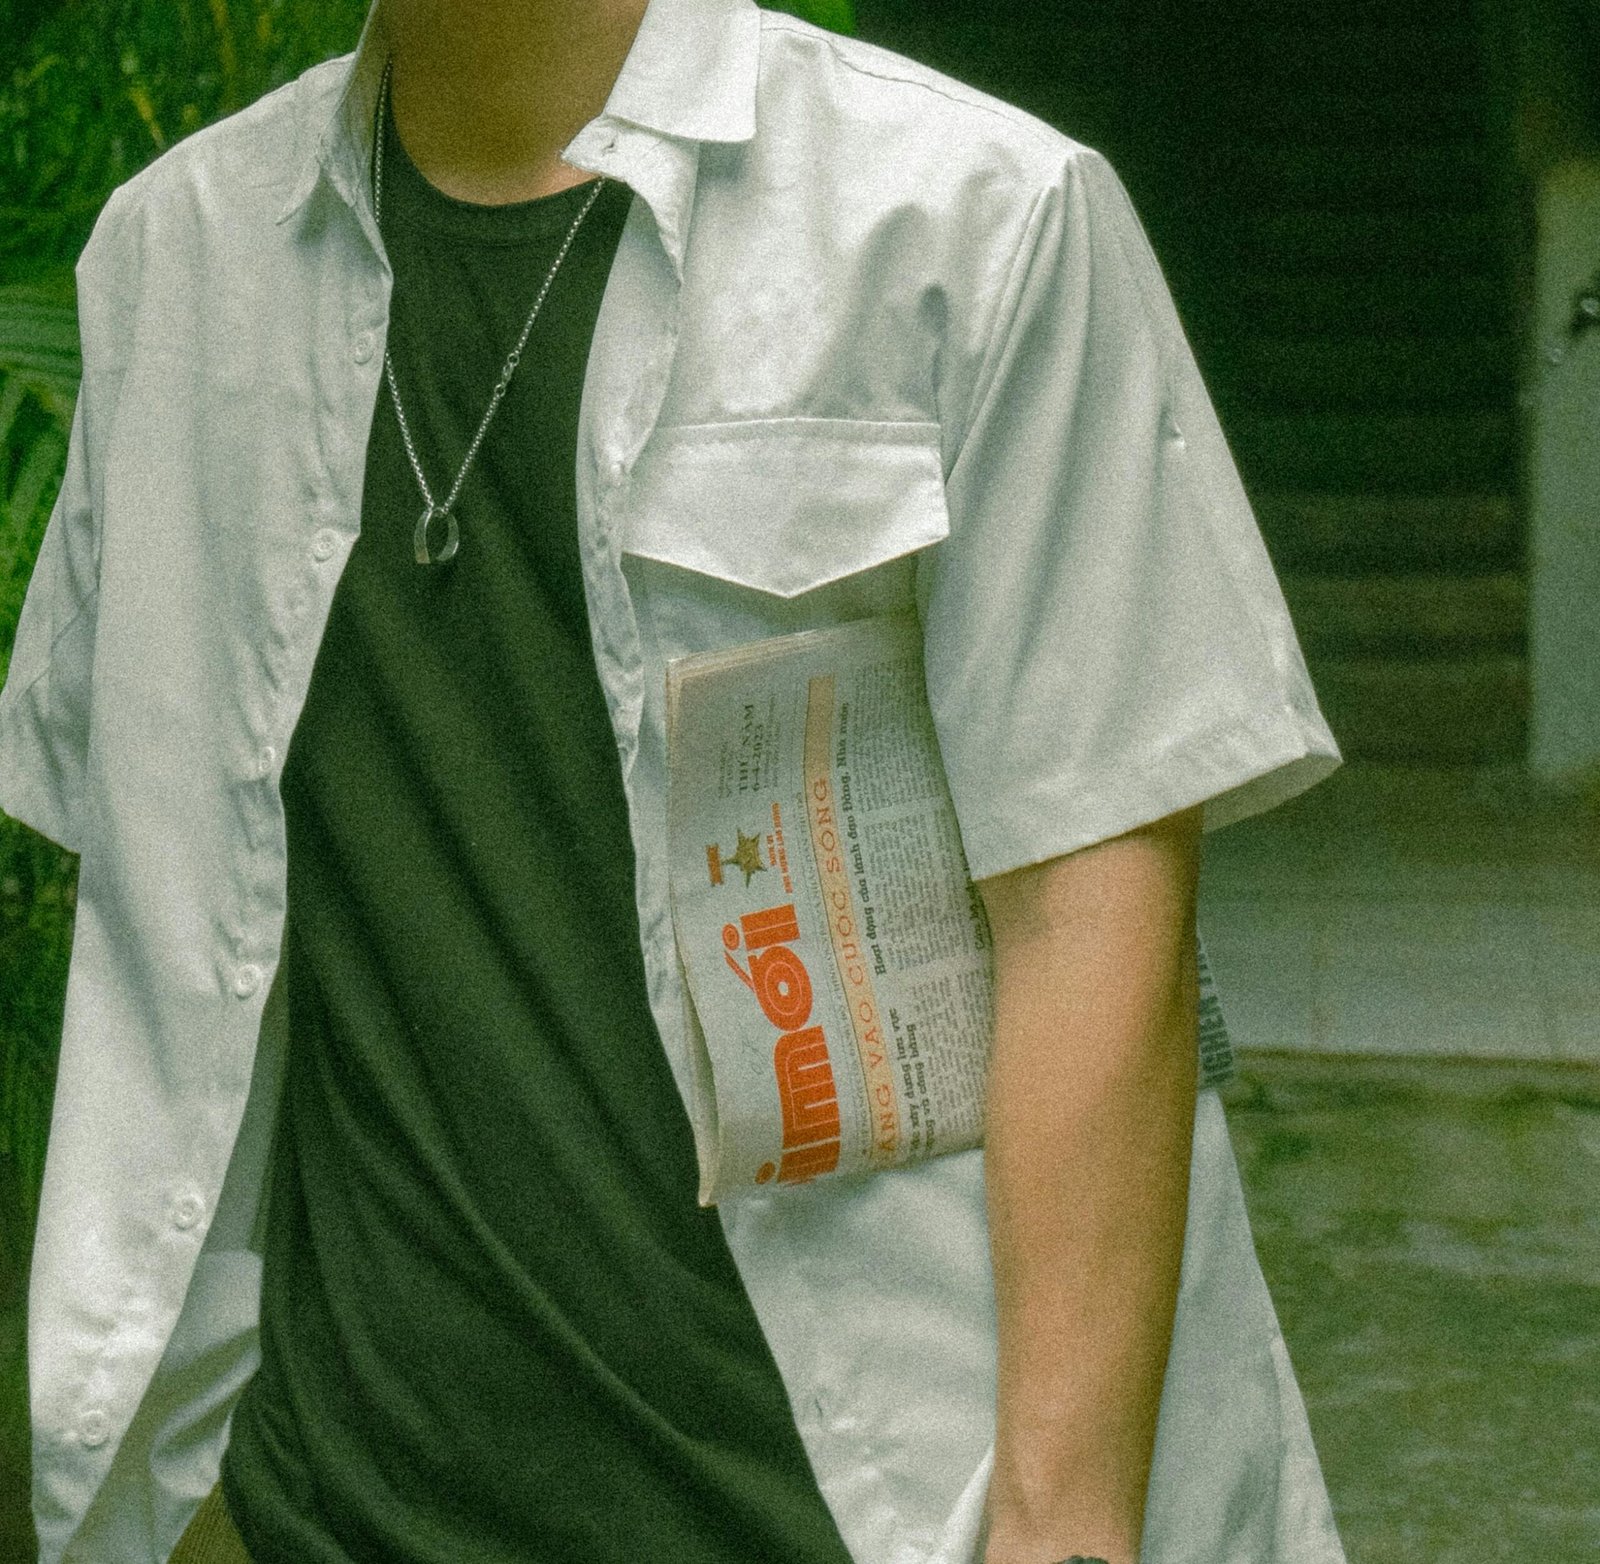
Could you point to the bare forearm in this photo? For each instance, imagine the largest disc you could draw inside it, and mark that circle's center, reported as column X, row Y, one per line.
column 1087, row 1202
column 1090, row 1116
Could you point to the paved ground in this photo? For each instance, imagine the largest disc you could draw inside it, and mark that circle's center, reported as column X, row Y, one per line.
column 1431, row 1235
column 1421, row 949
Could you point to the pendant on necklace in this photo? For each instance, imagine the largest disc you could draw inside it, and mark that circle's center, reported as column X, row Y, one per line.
column 452, row 537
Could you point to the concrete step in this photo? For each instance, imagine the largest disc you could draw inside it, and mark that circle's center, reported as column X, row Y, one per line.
column 1365, row 373
column 1315, row 15
column 1469, row 710
column 1418, row 614
column 1342, row 453
column 1398, row 175
column 1325, row 113
column 1281, row 54
column 1384, row 290
column 1427, row 247
column 1335, row 534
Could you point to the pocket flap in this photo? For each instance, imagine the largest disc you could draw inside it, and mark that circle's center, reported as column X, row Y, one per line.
column 784, row 505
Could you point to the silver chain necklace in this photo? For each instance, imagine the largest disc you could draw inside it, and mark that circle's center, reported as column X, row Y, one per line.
column 432, row 510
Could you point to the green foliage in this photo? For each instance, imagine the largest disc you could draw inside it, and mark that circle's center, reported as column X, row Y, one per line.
column 38, row 893
column 103, row 88
column 38, row 881
column 39, row 343
column 38, row 385
column 837, row 16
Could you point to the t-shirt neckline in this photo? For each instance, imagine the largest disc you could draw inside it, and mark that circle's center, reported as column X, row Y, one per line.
column 412, row 200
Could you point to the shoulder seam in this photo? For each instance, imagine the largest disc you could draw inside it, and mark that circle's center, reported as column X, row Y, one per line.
column 1039, row 130
column 1138, row 267
column 997, row 328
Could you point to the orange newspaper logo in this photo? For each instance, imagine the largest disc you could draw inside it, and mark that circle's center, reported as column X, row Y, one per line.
column 808, row 1098
column 806, row 1090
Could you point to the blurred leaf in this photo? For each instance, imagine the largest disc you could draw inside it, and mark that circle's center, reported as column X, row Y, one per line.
column 39, row 371
column 12, row 395
column 101, row 89
column 227, row 58
column 39, row 473
column 838, row 16
column 39, row 344
column 140, row 99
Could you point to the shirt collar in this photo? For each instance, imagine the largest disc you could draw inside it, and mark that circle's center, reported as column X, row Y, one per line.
column 690, row 76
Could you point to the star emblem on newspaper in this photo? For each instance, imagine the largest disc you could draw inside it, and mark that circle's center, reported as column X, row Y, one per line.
column 746, row 856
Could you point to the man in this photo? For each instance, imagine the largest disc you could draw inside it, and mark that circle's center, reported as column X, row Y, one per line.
column 564, row 338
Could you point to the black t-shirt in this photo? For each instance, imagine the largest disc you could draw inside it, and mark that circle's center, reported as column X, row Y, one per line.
column 495, row 1324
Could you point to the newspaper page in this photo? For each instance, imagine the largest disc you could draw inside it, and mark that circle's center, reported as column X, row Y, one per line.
column 839, row 988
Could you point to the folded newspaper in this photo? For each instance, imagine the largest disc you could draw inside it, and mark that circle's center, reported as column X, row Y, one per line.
column 839, row 987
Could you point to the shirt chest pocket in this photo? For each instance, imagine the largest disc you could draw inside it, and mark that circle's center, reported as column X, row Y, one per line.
column 738, row 531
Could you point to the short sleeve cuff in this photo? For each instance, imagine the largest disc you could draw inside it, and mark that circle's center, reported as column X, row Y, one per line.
column 1235, row 773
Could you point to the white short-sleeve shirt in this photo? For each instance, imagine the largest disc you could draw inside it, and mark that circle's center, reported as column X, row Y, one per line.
column 872, row 340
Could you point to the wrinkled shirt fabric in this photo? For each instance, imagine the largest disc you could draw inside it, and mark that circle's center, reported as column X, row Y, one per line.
column 872, row 340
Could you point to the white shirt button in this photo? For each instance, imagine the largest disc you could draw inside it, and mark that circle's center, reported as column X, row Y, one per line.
column 266, row 761
column 187, row 1209
column 362, row 346
column 247, row 980
column 94, row 1428
column 325, row 545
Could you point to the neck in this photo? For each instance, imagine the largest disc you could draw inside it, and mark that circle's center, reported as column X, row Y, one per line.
column 486, row 93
